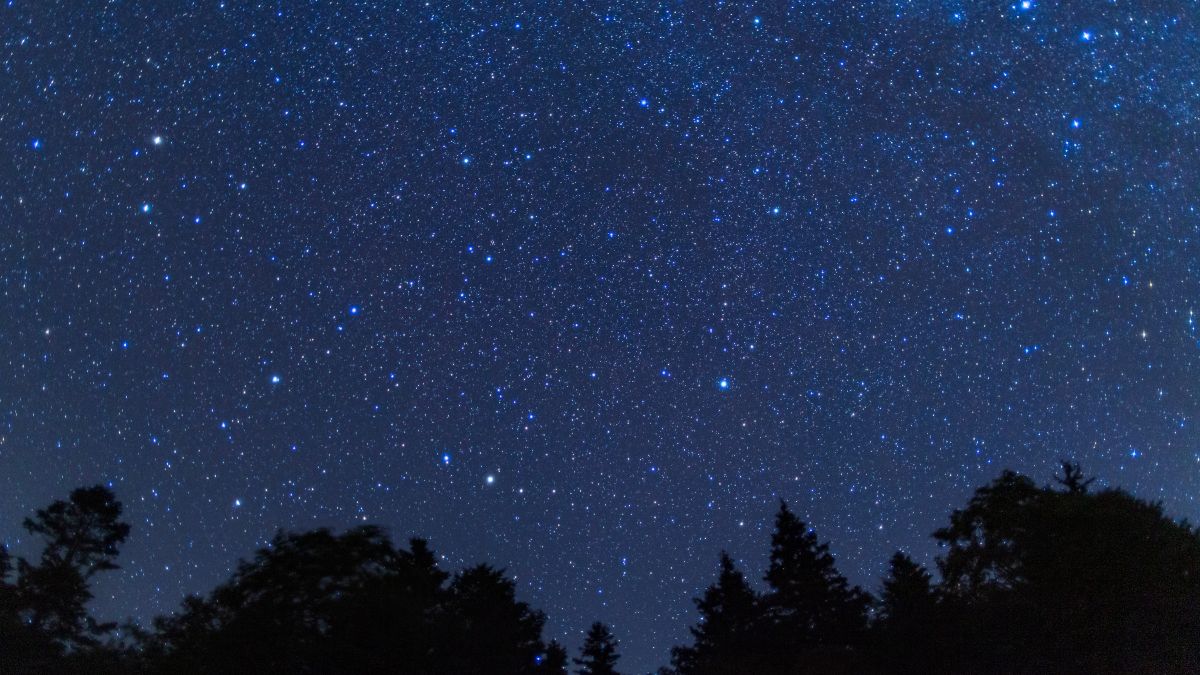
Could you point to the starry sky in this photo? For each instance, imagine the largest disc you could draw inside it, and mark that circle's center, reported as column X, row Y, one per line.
column 584, row 288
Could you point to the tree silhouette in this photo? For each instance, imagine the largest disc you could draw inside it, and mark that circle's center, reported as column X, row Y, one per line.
column 907, row 594
column 724, row 639
column 906, row 626
column 23, row 648
column 1072, row 478
column 318, row 602
column 1040, row 580
column 488, row 629
column 598, row 656
column 82, row 537
column 1032, row 580
column 44, row 622
column 289, row 594
column 810, row 603
column 554, row 661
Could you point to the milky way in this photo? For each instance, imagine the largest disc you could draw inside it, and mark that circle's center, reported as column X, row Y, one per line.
column 584, row 289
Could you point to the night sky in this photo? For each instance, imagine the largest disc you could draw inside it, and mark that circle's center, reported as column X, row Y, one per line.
column 583, row 289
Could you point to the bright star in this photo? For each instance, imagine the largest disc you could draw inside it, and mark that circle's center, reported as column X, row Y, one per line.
column 158, row 140
column 723, row 384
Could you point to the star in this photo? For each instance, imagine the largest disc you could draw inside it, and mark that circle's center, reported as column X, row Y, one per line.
column 958, row 255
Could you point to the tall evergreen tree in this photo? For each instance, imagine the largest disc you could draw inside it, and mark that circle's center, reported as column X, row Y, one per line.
column 908, row 612
column 810, row 602
column 724, row 639
column 598, row 655
column 553, row 661
column 907, row 596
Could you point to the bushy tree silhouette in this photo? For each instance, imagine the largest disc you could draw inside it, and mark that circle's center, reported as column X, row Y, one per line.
column 82, row 537
column 488, row 629
column 23, row 648
column 1033, row 579
column 318, row 602
column 1042, row 580
column 598, row 656
column 44, row 621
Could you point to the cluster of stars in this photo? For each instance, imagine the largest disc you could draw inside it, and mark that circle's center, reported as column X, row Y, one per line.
column 586, row 293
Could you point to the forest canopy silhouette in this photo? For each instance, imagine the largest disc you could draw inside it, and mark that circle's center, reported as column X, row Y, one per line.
column 1030, row 579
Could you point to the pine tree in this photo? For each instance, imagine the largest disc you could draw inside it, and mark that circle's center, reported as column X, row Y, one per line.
column 724, row 638
column 907, row 629
column 810, row 603
column 554, row 661
column 82, row 537
column 599, row 653
column 907, row 594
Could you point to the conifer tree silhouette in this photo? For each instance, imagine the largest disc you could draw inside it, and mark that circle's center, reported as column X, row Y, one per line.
column 724, row 639
column 809, row 603
column 598, row 656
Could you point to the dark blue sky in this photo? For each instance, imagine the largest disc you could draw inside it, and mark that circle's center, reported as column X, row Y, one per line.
column 584, row 289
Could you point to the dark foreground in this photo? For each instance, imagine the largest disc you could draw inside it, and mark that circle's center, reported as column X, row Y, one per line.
column 1032, row 579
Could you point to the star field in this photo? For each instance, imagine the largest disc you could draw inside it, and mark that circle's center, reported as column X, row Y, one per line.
column 584, row 289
